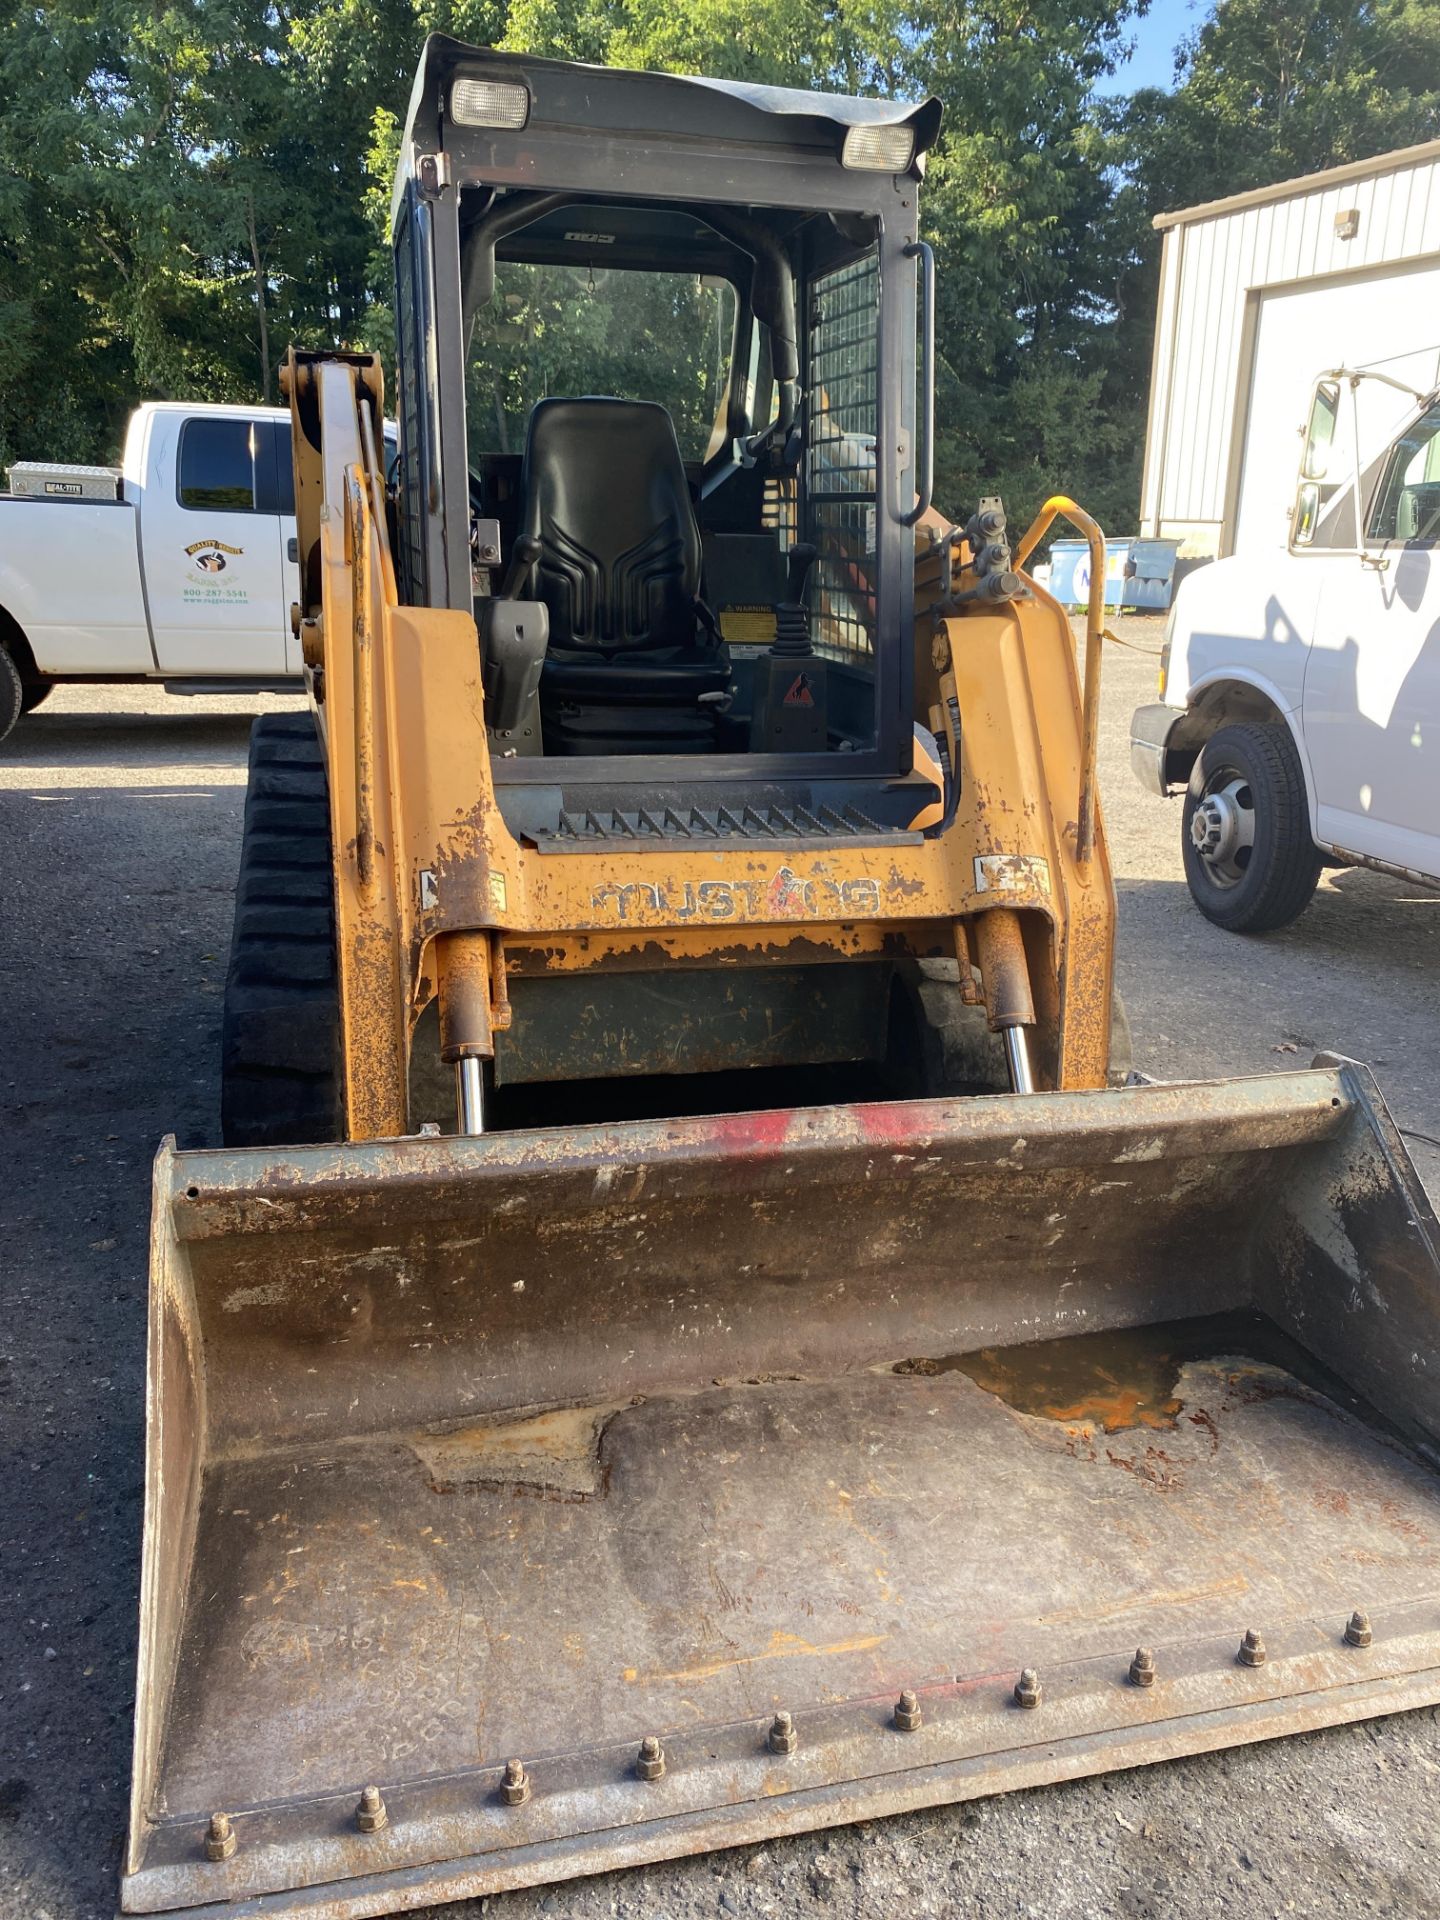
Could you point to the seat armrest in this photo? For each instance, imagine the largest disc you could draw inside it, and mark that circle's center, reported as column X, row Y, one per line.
column 514, row 635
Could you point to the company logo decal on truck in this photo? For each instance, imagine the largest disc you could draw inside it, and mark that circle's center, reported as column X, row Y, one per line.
column 207, row 559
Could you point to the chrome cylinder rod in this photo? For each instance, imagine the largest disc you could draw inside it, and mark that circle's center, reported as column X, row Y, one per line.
column 470, row 1093
column 1017, row 1055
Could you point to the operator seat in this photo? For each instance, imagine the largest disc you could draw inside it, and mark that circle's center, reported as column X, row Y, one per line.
column 635, row 662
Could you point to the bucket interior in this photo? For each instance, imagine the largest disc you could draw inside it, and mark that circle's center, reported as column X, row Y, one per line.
column 666, row 1456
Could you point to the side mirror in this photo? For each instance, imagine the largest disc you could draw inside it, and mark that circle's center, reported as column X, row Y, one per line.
column 1320, row 433
column 1307, row 512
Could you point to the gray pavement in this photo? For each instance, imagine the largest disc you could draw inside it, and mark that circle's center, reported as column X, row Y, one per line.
column 119, row 834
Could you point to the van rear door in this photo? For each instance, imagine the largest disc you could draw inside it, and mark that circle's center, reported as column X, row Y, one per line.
column 213, row 548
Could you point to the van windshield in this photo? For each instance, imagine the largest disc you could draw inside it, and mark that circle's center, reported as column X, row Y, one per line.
column 547, row 330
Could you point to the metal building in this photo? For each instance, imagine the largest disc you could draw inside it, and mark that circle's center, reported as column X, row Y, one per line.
column 1258, row 294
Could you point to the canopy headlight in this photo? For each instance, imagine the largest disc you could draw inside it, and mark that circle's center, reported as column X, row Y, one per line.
column 878, row 149
column 489, row 103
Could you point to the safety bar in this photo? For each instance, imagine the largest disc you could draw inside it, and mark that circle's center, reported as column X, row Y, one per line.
column 924, row 493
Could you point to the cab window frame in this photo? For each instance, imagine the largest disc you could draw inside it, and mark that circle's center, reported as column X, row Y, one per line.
column 266, row 491
column 1390, row 483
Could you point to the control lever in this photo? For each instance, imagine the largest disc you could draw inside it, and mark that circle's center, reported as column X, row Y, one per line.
column 789, row 704
column 797, row 570
column 792, row 616
column 523, row 556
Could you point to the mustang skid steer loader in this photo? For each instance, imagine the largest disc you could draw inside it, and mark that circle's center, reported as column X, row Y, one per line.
column 688, row 1340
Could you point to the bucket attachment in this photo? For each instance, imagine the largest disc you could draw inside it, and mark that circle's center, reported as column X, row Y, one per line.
column 474, row 1464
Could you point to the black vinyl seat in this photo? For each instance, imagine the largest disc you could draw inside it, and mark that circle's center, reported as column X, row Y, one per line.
column 632, row 666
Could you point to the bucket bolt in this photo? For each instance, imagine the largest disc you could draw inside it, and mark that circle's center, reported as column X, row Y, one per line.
column 651, row 1761
column 1358, row 1633
column 1252, row 1650
column 1142, row 1668
column 515, row 1787
column 907, row 1712
column 1028, row 1689
column 370, row 1814
column 782, row 1734
column 220, row 1837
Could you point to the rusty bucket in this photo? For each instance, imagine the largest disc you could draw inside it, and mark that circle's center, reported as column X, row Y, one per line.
column 526, row 1506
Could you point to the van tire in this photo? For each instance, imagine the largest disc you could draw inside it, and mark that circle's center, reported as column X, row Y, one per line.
column 280, row 1029
column 1250, row 862
column 35, row 691
column 12, row 694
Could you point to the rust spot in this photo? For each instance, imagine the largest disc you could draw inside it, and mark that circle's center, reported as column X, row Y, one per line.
column 1156, row 1467
column 1111, row 1381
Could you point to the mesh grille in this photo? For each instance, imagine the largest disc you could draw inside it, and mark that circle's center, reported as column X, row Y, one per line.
column 840, row 457
column 412, row 552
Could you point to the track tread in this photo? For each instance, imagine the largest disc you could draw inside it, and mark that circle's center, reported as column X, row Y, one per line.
column 280, row 1031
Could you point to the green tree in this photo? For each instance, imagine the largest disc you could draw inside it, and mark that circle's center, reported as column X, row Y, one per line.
column 1272, row 89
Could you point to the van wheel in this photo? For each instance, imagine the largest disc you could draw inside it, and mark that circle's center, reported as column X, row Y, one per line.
column 34, row 691
column 280, row 1030
column 12, row 694
column 1245, row 831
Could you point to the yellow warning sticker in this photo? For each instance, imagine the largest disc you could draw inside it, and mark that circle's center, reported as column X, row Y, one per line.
column 748, row 626
column 497, row 892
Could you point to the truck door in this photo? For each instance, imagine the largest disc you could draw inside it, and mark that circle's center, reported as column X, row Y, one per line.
column 211, row 538
column 289, row 548
column 1372, row 682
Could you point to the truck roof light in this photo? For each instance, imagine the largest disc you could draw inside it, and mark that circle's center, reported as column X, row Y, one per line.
column 489, row 103
column 878, row 149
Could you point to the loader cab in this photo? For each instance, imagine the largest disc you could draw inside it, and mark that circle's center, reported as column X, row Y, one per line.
column 657, row 392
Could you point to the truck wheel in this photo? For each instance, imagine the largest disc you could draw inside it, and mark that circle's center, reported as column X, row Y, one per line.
column 34, row 691
column 1245, row 832
column 280, row 1035
column 12, row 694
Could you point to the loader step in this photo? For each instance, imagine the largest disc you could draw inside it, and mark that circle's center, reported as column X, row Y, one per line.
column 777, row 823
column 581, row 815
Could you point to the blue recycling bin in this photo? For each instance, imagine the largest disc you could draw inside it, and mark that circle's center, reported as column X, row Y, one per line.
column 1139, row 574
column 1150, row 575
column 1070, row 571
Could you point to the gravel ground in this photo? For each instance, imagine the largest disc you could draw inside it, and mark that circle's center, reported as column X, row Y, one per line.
column 119, row 833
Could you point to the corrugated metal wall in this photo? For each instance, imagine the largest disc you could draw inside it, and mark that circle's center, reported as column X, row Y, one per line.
column 1213, row 260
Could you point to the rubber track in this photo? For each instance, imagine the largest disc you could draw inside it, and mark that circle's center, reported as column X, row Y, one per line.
column 280, row 1030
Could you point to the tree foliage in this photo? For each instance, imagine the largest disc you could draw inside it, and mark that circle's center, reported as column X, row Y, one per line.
column 186, row 186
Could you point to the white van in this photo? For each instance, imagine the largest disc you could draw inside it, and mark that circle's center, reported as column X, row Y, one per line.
column 1300, row 687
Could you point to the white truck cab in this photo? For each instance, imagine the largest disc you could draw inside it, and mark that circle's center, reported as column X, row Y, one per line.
column 1300, row 686
column 184, row 574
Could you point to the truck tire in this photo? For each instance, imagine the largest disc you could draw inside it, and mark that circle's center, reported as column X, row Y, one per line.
column 12, row 694
column 34, row 691
column 1245, row 830
column 280, row 1034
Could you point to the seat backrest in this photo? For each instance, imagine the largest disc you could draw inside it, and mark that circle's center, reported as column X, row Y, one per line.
column 603, row 490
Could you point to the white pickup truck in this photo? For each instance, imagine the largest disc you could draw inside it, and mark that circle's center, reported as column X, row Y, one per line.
column 182, row 571
column 1300, row 685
